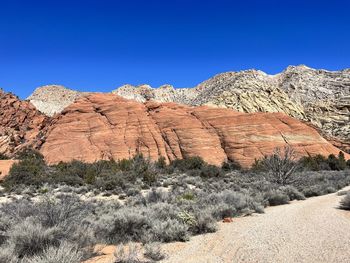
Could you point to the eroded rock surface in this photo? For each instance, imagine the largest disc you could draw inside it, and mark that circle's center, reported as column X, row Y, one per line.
column 165, row 93
column 319, row 97
column 21, row 124
column 325, row 96
column 104, row 126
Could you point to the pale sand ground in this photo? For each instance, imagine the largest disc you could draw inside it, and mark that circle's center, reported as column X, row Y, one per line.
column 313, row 230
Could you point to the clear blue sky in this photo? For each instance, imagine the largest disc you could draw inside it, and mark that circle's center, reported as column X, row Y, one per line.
column 100, row 45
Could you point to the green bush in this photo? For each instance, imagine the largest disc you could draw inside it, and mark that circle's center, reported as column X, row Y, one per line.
column 210, row 171
column 3, row 157
column 190, row 163
column 231, row 165
column 292, row 193
column 154, row 252
column 319, row 162
column 277, row 198
column 161, row 163
column 29, row 154
column 314, row 163
column 26, row 171
column 66, row 252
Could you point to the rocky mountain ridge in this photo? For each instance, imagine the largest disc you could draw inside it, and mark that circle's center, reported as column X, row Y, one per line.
column 318, row 97
column 105, row 126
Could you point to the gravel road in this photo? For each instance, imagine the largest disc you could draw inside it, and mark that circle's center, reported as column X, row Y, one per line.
column 313, row 230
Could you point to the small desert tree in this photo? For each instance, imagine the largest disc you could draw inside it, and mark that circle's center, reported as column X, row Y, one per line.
column 281, row 165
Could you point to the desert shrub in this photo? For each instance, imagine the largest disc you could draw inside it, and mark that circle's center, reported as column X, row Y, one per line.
column 345, row 202
column 29, row 154
column 30, row 170
column 27, row 171
column 156, row 196
column 188, row 196
column 127, row 255
column 280, row 165
column 222, row 210
column 125, row 164
column 143, row 168
column 61, row 210
column 204, row 223
column 8, row 255
column 320, row 183
column 3, row 156
column 190, row 163
column 30, row 238
column 76, row 172
column 187, row 218
column 319, row 162
column 277, row 198
column 154, row 252
column 292, row 193
column 315, row 190
column 31, row 228
column 64, row 253
column 237, row 200
column 231, row 165
column 169, row 230
column 111, row 181
column 228, row 203
column 314, row 163
column 333, row 162
column 123, row 225
column 210, row 171
column 154, row 222
column 161, row 163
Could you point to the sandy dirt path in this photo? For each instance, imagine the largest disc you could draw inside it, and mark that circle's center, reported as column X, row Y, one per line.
column 313, row 230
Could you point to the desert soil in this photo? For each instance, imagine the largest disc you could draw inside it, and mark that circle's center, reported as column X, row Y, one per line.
column 314, row 230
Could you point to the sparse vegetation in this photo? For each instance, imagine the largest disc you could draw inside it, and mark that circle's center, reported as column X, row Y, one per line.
column 319, row 162
column 154, row 252
column 280, row 165
column 3, row 157
column 144, row 202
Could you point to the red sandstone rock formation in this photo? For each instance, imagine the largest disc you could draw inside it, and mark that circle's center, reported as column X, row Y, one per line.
column 5, row 166
column 20, row 123
column 103, row 126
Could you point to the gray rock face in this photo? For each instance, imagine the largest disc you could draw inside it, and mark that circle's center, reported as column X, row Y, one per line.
column 165, row 93
column 247, row 91
column 319, row 97
column 325, row 96
column 52, row 99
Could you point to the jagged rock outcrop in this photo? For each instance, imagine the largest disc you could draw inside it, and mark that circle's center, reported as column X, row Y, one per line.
column 104, row 126
column 165, row 93
column 20, row 124
column 318, row 97
column 325, row 96
column 52, row 99
column 247, row 91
